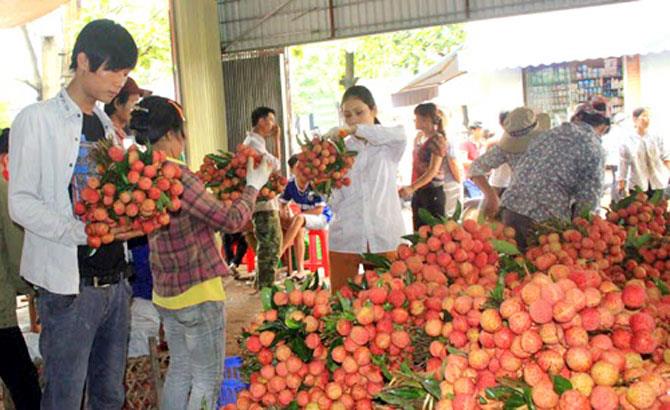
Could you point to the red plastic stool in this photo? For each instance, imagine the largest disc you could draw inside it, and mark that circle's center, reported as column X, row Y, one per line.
column 250, row 259
column 314, row 263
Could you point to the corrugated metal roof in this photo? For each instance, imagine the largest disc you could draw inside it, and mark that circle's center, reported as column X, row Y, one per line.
column 259, row 24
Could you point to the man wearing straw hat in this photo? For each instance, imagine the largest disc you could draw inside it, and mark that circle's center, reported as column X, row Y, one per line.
column 521, row 127
column 561, row 172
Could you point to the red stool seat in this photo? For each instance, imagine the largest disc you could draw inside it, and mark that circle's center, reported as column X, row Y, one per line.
column 314, row 263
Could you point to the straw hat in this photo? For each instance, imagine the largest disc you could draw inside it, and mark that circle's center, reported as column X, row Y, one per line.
column 521, row 126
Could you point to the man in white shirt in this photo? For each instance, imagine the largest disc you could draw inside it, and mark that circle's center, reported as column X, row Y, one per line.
column 267, row 227
column 83, row 296
column 645, row 158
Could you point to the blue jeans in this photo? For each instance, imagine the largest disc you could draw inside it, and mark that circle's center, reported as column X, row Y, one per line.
column 196, row 338
column 83, row 342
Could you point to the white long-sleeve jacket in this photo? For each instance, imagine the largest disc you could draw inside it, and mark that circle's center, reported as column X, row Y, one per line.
column 367, row 214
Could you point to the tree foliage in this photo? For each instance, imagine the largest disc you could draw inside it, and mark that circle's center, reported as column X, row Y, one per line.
column 148, row 23
column 316, row 69
column 402, row 52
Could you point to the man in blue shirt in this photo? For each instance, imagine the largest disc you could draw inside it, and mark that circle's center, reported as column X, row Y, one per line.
column 314, row 212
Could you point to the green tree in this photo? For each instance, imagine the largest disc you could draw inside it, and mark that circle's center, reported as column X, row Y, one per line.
column 147, row 21
column 316, row 69
column 405, row 52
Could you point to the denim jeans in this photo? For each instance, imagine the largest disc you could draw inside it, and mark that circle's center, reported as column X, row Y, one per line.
column 196, row 339
column 83, row 342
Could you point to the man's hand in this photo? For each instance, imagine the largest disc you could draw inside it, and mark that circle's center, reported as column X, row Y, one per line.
column 125, row 233
column 276, row 131
column 491, row 206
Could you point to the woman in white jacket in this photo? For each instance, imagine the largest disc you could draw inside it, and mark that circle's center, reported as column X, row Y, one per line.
column 367, row 213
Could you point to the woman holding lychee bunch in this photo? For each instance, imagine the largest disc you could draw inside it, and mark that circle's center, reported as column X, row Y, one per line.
column 186, row 265
column 367, row 214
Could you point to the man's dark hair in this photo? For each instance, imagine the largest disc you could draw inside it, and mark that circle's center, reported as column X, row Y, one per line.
column 121, row 98
column 4, row 141
column 638, row 112
column 292, row 161
column 260, row 112
column 105, row 42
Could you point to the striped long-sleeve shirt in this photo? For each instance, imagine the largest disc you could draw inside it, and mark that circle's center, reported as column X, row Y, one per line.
column 184, row 253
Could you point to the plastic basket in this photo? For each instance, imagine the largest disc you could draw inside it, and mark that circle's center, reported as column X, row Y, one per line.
column 232, row 383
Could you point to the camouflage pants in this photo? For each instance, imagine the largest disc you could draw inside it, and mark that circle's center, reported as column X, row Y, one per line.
column 268, row 233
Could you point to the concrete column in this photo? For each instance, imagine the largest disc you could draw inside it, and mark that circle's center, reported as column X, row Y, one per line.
column 197, row 56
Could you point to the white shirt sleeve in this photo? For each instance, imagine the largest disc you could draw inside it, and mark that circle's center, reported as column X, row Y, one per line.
column 393, row 139
column 26, row 205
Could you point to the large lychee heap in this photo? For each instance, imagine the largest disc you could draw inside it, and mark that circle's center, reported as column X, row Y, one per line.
column 325, row 163
column 592, row 242
column 225, row 174
column 646, row 215
column 462, row 321
column 133, row 188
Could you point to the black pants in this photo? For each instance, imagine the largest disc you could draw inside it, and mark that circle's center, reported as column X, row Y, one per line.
column 18, row 371
column 229, row 240
column 432, row 199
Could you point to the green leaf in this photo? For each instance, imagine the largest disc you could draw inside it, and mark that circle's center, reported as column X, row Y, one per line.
column 413, row 238
column 427, row 218
column 453, row 350
column 457, row 212
column 657, row 197
column 289, row 285
column 378, row 261
column 330, row 363
column 381, row 362
column 528, row 398
column 344, row 302
column 432, row 386
column 266, row 298
column 409, row 278
column 662, row 286
column 293, row 324
column 293, row 406
column 561, row 384
column 624, row 202
column 298, row 346
column 514, row 402
column 482, row 400
column 504, row 247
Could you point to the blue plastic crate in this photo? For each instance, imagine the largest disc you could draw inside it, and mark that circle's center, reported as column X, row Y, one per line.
column 232, row 383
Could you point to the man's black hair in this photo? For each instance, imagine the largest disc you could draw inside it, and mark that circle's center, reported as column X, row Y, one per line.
column 121, row 98
column 4, row 141
column 292, row 161
column 260, row 112
column 105, row 42
column 638, row 112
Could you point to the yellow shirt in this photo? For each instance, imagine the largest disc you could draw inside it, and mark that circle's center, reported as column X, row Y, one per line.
column 208, row 291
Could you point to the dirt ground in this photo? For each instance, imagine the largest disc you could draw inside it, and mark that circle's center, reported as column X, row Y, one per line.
column 241, row 307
